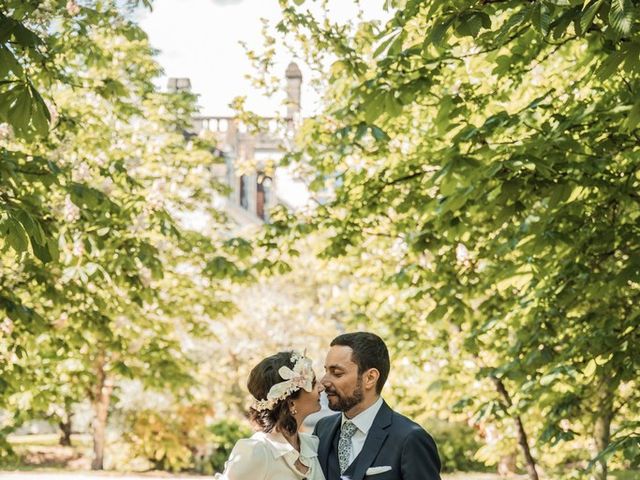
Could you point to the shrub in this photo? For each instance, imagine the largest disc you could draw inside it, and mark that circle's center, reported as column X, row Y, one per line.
column 8, row 457
column 223, row 435
column 170, row 440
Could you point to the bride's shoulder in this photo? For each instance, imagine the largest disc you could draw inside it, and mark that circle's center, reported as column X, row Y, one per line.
column 249, row 459
column 256, row 442
column 257, row 437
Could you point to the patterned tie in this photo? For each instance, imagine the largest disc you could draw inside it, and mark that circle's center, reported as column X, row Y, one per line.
column 344, row 444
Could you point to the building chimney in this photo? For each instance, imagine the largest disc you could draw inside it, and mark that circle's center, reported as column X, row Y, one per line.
column 294, row 82
column 179, row 84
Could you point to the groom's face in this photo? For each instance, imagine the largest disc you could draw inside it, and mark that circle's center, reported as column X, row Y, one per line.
column 341, row 381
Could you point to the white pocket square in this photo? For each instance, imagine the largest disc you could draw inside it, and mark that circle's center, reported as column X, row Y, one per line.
column 377, row 470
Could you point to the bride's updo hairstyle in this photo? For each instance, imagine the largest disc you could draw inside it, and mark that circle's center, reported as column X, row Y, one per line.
column 261, row 379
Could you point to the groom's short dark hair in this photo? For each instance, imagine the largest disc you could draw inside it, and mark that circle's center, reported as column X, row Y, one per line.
column 369, row 351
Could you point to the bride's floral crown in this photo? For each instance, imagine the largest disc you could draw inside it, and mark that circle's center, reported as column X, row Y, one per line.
column 300, row 377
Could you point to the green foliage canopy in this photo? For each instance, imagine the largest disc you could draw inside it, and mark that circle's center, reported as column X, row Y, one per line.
column 100, row 278
column 480, row 161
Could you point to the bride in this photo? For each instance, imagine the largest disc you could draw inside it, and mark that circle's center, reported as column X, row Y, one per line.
column 286, row 391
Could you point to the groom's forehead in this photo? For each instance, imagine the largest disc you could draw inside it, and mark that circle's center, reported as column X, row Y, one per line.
column 339, row 356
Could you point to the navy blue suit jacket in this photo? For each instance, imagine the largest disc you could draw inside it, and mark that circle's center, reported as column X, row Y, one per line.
column 393, row 441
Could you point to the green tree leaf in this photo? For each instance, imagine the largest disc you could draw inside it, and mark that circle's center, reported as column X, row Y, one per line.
column 589, row 14
column 621, row 16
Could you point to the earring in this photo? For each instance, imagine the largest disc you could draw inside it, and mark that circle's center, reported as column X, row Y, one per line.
column 293, row 410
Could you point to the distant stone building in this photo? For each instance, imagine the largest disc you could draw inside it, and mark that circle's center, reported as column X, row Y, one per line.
column 253, row 191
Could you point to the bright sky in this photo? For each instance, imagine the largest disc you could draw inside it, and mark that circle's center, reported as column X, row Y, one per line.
column 200, row 39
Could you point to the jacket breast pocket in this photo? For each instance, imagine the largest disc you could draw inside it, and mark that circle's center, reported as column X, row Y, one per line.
column 390, row 475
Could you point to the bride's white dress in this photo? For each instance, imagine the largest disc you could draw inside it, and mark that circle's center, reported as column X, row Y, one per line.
column 268, row 456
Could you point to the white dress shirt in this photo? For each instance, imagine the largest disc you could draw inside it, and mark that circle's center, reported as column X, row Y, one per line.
column 363, row 421
column 268, row 456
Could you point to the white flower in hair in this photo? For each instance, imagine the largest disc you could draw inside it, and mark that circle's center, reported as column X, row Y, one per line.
column 301, row 376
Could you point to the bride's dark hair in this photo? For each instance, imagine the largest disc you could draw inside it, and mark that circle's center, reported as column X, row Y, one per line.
column 261, row 379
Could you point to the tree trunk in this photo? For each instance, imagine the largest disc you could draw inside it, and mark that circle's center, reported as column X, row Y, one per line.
column 65, row 431
column 602, row 428
column 522, row 434
column 101, row 398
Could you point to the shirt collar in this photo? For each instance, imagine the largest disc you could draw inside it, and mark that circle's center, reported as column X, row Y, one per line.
column 280, row 447
column 365, row 419
column 278, row 444
column 308, row 445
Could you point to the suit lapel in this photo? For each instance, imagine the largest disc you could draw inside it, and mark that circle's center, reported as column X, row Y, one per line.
column 324, row 448
column 376, row 437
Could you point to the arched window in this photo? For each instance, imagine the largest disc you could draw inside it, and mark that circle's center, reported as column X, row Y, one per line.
column 244, row 192
column 263, row 196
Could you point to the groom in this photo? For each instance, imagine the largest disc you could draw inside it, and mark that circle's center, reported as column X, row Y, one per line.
column 368, row 439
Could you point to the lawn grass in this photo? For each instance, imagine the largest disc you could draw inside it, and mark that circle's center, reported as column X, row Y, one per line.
column 48, row 440
column 625, row 475
column 23, row 443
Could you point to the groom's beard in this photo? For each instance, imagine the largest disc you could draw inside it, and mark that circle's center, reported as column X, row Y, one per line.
column 344, row 404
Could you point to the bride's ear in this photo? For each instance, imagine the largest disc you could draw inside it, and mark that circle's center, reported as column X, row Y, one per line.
column 292, row 408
